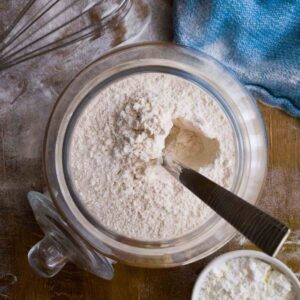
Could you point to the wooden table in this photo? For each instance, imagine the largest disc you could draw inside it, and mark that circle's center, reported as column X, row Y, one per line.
column 19, row 230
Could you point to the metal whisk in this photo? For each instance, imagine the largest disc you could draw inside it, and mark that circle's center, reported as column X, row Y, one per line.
column 46, row 25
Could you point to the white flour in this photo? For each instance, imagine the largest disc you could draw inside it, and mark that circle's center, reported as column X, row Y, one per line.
column 247, row 279
column 116, row 150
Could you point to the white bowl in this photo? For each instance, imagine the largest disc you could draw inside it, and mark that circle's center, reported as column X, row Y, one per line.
column 274, row 262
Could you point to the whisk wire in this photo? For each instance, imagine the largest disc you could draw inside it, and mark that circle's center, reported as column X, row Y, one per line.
column 16, row 21
column 48, row 33
column 40, row 28
column 27, row 26
column 47, row 26
column 84, row 33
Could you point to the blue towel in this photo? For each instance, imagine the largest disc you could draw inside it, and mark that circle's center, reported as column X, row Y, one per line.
column 258, row 39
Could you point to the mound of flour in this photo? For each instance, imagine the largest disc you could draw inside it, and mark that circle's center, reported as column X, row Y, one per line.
column 246, row 278
column 116, row 150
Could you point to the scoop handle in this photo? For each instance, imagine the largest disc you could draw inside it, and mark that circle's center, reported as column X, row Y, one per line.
column 259, row 227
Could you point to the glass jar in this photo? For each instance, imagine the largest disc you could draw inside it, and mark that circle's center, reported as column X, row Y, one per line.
column 71, row 235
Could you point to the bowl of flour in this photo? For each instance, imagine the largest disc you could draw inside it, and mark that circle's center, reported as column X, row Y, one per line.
column 246, row 274
column 106, row 138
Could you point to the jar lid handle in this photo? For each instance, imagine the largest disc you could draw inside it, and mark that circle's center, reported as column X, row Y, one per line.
column 61, row 244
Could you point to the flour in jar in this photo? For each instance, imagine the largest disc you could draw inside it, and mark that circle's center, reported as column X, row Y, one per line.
column 117, row 145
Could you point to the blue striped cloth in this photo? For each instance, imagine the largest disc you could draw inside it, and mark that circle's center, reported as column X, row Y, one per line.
column 258, row 39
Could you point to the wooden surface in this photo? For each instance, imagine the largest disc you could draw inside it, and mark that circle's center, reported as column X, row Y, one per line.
column 19, row 230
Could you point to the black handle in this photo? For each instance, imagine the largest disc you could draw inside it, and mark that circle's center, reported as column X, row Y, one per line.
column 259, row 227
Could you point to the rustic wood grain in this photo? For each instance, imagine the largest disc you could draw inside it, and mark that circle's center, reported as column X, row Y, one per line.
column 19, row 230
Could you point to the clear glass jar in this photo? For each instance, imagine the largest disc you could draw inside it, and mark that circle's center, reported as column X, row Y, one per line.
column 251, row 151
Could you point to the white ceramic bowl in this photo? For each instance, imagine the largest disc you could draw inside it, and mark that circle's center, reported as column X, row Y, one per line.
column 274, row 262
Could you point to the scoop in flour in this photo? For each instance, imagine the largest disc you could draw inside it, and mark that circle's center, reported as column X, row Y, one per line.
column 188, row 145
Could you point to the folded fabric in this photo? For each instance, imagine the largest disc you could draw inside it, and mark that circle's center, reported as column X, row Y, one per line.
column 258, row 39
